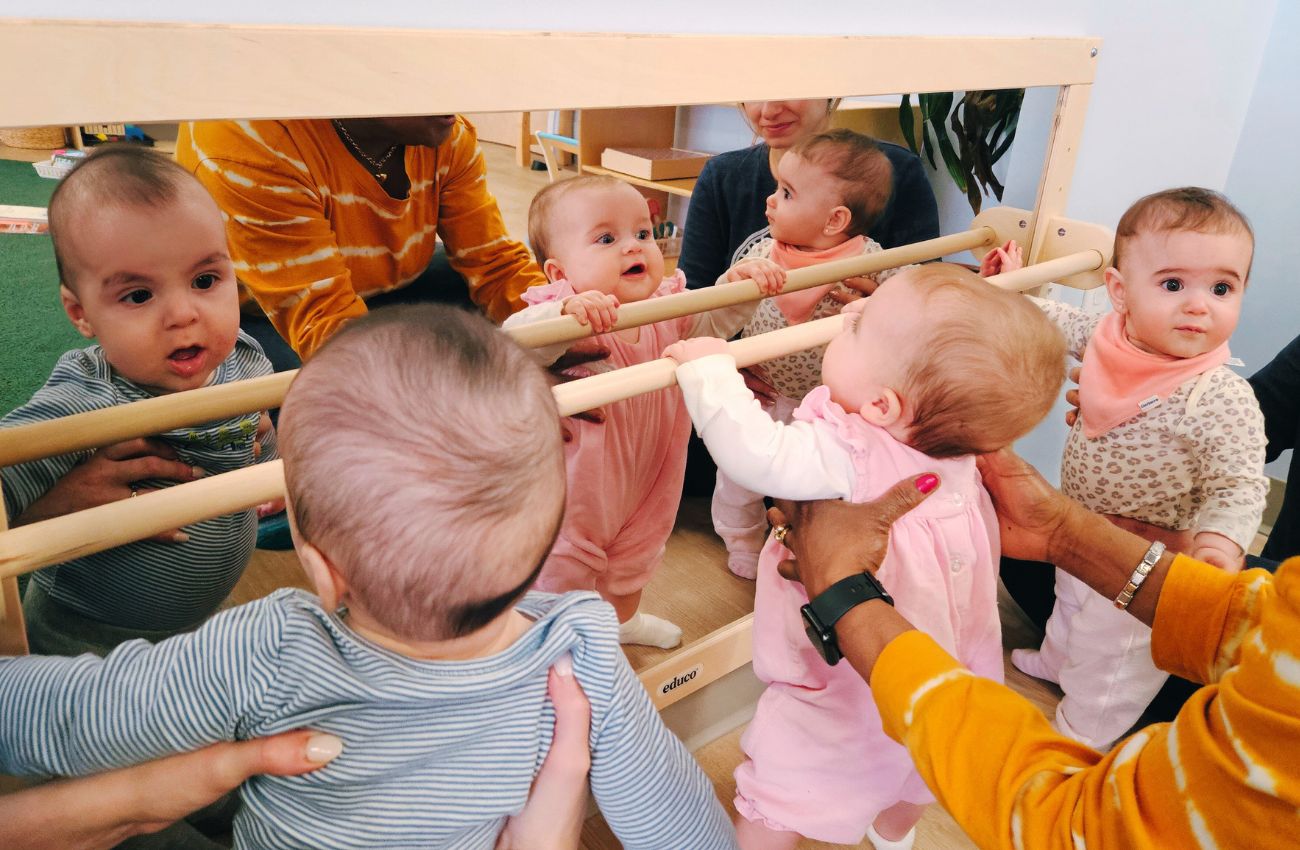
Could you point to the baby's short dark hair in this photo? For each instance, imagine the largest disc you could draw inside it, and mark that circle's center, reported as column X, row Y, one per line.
column 865, row 174
column 112, row 176
column 1185, row 208
column 422, row 456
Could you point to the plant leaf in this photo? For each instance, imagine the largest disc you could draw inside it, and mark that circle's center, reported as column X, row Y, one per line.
column 907, row 123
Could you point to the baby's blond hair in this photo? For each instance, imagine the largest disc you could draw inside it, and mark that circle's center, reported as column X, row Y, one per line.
column 422, row 455
column 541, row 212
column 988, row 374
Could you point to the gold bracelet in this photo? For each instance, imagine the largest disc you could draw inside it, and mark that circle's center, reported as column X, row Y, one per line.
column 1149, row 560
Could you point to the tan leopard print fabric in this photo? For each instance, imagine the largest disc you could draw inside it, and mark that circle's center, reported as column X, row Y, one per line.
column 798, row 374
column 1176, row 467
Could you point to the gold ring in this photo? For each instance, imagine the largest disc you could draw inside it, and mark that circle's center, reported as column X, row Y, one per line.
column 779, row 532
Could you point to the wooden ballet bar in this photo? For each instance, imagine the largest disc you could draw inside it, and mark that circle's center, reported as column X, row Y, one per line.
column 97, row 428
column 56, row 540
column 567, row 328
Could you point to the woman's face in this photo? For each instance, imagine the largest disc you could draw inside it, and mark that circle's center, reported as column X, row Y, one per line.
column 781, row 123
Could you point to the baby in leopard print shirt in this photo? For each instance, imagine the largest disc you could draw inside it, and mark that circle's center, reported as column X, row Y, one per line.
column 1167, row 435
column 831, row 189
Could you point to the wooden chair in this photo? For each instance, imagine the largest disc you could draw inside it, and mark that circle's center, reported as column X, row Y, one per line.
column 556, row 150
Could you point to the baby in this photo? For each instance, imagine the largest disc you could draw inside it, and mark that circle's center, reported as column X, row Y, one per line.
column 141, row 253
column 423, row 652
column 935, row 367
column 593, row 239
column 1168, row 435
column 831, row 189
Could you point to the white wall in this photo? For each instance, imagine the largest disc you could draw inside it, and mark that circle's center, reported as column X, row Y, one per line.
column 1174, row 82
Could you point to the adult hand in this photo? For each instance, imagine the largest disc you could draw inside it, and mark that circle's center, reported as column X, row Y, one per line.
column 854, row 288
column 552, row 818
column 1030, row 511
column 1176, row 541
column 103, row 810
column 585, row 358
column 832, row 540
column 756, row 383
column 109, row 475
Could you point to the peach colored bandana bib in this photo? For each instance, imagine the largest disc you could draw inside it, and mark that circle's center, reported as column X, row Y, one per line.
column 798, row 306
column 1119, row 380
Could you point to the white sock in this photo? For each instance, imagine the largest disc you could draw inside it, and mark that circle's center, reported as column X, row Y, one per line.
column 904, row 843
column 1032, row 662
column 649, row 630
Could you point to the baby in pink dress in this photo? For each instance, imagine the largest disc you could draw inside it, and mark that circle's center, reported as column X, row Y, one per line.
column 935, row 367
column 593, row 238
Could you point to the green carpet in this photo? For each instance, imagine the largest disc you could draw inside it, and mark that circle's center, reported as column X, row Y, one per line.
column 33, row 328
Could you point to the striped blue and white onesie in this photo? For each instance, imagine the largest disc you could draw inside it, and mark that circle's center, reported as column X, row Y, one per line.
column 145, row 585
column 435, row 754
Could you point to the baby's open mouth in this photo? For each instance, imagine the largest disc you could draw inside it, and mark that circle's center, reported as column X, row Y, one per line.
column 181, row 355
column 637, row 269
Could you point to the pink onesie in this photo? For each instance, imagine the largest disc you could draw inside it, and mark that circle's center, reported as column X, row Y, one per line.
column 625, row 474
column 819, row 763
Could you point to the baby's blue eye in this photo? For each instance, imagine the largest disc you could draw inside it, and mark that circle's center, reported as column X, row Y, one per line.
column 1171, row 285
column 205, row 281
column 785, row 193
column 1221, row 289
column 137, row 296
column 643, row 234
column 605, row 239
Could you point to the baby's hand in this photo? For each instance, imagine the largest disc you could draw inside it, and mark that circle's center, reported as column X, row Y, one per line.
column 1218, row 550
column 593, row 308
column 270, row 508
column 1008, row 258
column 693, row 349
column 768, row 275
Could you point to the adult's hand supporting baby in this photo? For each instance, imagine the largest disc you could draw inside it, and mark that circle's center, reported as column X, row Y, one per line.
column 103, row 810
column 557, row 805
column 577, row 363
column 109, row 475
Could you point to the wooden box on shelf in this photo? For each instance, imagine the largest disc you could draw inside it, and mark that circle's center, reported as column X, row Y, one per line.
column 654, row 163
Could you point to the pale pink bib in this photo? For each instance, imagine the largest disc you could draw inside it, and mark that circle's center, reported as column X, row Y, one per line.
column 1119, row 380
column 797, row 307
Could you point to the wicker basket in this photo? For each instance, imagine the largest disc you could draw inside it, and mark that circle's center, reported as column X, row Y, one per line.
column 670, row 246
column 34, row 138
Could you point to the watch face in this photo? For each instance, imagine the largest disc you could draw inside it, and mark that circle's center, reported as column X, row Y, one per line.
column 821, row 639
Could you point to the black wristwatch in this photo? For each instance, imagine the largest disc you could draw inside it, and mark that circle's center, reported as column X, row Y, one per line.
column 821, row 614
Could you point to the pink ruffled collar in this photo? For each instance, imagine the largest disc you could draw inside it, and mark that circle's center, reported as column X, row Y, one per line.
column 561, row 289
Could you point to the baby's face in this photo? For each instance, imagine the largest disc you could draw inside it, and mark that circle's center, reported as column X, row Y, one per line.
column 603, row 240
column 156, row 286
column 1180, row 291
column 878, row 334
column 801, row 206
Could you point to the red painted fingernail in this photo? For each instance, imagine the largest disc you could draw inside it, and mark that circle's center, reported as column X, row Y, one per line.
column 927, row 482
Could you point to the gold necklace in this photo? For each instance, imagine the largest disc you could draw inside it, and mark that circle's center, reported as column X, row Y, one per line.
column 375, row 165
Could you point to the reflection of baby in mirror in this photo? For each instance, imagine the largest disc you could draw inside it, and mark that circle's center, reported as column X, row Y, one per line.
column 935, row 367
column 593, row 239
column 831, row 189
column 1167, row 435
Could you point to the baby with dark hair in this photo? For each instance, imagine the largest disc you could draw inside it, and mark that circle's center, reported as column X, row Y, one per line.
column 144, row 270
column 422, row 522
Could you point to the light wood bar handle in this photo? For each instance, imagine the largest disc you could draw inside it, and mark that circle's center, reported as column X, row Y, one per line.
column 1032, row 277
column 99, row 428
column 567, row 329
column 53, row 541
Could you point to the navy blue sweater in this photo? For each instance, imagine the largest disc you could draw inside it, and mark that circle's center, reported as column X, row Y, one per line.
column 1277, row 386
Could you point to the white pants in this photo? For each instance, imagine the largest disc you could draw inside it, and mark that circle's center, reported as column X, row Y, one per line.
column 739, row 515
column 1103, row 656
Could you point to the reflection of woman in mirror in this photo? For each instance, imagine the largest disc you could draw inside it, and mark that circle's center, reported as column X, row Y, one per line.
column 323, row 214
column 727, row 205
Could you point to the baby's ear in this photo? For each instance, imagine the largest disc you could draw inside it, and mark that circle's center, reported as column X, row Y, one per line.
column 838, row 221
column 552, row 270
column 883, row 407
column 76, row 313
column 1115, row 288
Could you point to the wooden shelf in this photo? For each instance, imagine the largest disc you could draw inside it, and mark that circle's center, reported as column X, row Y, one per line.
column 684, row 186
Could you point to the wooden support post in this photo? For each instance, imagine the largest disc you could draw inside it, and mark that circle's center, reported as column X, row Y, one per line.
column 13, row 632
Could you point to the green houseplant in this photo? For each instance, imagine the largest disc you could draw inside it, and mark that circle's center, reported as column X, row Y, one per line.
column 984, row 126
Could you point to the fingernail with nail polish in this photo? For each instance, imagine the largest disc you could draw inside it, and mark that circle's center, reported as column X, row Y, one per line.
column 563, row 665
column 198, row 471
column 181, row 537
column 322, row 748
column 927, row 482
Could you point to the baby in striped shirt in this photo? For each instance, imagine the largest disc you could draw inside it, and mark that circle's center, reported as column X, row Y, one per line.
column 144, row 269
column 426, row 482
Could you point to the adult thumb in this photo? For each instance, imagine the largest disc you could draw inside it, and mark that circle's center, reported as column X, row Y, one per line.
column 905, row 495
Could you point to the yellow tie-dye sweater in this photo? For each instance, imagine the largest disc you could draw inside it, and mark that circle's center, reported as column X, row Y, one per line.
column 1224, row 774
column 312, row 232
